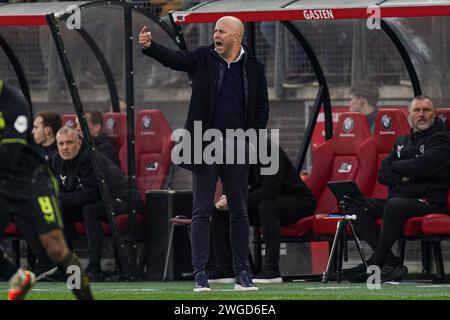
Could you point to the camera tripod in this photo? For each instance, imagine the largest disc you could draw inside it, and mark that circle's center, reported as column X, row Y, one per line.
column 340, row 241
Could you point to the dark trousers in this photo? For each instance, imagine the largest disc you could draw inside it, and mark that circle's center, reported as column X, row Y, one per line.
column 271, row 215
column 220, row 235
column 235, row 181
column 275, row 214
column 93, row 215
column 395, row 212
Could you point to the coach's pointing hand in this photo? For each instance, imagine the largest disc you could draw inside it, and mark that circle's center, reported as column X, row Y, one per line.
column 145, row 38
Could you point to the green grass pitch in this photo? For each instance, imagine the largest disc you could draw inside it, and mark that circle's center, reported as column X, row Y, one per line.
column 182, row 290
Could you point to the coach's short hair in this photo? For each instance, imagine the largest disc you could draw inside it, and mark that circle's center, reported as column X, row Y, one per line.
column 66, row 130
column 421, row 97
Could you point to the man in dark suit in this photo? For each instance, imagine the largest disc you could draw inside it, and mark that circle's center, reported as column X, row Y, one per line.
column 229, row 91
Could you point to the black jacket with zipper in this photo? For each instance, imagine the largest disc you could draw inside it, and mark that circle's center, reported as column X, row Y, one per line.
column 78, row 183
column 423, row 158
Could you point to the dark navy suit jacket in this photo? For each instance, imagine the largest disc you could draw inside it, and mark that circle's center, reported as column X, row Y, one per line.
column 203, row 66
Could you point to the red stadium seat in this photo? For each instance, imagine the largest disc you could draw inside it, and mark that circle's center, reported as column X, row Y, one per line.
column 389, row 125
column 122, row 225
column 341, row 158
column 318, row 136
column 115, row 126
column 344, row 157
column 81, row 228
column 413, row 227
column 436, row 227
column 153, row 150
column 333, row 160
column 301, row 228
column 11, row 232
column 337, row 159
column 437, row 223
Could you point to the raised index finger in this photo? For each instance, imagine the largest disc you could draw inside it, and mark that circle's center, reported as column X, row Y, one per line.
column 143, row 29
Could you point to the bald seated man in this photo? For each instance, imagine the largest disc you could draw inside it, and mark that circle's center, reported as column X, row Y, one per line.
column 229, row 91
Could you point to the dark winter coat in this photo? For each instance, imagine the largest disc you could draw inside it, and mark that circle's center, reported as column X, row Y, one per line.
column 77, row 180
column 423, row 158
column 204, row 66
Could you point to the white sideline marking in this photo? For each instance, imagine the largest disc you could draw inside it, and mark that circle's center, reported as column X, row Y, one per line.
column 130, row 290
column 96, row 289
column 229, row 290
column 331, row 288
column 435, row 286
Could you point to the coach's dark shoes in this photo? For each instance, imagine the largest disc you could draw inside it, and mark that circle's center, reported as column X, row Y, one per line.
column 201, row 282
column 244, row 282
column 393, row 273
column 356, row 274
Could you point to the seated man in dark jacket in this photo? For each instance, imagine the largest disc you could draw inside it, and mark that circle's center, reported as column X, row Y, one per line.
column 81, row 200
column 103, row 143
column 417, row 172
column 275, row 201
column 80, row 194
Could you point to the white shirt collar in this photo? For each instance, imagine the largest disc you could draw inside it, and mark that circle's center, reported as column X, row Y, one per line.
column 241, row 53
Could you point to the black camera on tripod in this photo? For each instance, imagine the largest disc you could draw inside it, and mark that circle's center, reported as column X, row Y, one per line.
column 347, row 193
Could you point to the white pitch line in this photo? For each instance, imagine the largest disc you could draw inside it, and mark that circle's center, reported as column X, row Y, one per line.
column 231, row 290
column 131, row 290
column 331, row 288
column 101, row 290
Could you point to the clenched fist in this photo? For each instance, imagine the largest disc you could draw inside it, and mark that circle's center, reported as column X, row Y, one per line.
column 145, row 38
column 222, row 204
